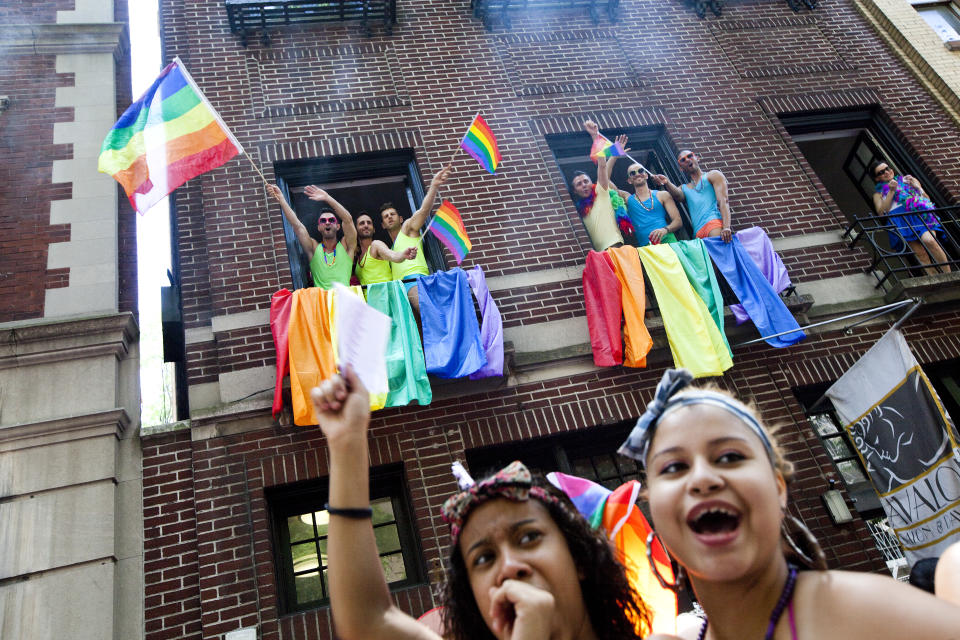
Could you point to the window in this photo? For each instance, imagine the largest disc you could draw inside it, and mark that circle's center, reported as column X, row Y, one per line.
column 590, row 454
column 649, row 145
column 361, row 183
column 943, row 18
column 300, row 538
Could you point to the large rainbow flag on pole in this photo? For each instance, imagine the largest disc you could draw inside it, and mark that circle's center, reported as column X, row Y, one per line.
column 169, row 135
column 480, row 143
column 447, row 225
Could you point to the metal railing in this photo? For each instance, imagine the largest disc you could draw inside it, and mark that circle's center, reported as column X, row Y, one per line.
column 246, row 16
column 888, row 544
column 894, row 259
column 486, row 9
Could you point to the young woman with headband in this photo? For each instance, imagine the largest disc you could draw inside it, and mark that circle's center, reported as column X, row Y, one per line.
column 718, row 490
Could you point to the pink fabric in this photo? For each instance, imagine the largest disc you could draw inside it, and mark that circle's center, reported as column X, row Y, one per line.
column 601, row 293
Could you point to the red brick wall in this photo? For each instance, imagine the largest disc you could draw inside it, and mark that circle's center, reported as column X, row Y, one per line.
column 33, row 11
column 26, row 187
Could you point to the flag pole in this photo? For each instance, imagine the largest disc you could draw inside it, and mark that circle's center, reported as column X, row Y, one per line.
column 465, row 133
column 626, row 154
column 257, row 169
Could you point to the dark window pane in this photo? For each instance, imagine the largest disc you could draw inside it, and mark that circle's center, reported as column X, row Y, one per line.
column 606, row 467
column 382, row 510
column 584, row 469
column 388, row 538
column 393, row 567
column 308, row 588
column 300, row 527
column 851, row 471
column 824, row 424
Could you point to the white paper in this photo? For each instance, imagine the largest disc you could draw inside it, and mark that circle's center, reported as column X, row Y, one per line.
column 362, row 334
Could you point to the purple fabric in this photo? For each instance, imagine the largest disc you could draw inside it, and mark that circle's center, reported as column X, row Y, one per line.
column 759, row 247
column 491, row 326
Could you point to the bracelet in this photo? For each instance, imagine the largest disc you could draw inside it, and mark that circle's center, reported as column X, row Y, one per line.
column 359, row 513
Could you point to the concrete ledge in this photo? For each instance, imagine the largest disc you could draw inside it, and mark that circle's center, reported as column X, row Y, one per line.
column 57, row 39
column 57, row 339
column 35, row 434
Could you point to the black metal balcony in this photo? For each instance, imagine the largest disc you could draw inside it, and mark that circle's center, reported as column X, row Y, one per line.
column 488, row 10
column 700, row 7
column 247, row 16
column 915, row 269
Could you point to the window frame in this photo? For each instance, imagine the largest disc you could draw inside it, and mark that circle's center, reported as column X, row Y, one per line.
column 952, row 43
column 339, row 172
column 310, row 496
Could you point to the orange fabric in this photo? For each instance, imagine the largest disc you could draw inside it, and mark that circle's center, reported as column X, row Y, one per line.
column 636, row 338
column 704, row 231
column 311, row 349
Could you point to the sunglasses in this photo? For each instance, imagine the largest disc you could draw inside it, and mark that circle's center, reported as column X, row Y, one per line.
column 686, row 158
column 328, row 220
column 882, row 171
column 636, row 172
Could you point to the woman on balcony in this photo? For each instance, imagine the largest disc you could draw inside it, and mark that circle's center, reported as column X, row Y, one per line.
column 904, row 195
column 717, row 488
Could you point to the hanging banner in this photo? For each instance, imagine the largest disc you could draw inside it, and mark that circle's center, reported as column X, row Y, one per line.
column 907, row 443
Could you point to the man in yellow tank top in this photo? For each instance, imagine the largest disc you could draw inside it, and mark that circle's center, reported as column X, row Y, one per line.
column 373, row 263
column 405, row 234
column 330, row 261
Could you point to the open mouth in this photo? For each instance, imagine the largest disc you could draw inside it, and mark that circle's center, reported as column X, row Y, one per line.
column 714, row 520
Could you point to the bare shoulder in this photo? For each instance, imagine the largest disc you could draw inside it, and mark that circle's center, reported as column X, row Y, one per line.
column 716, row 176
column 866, row 605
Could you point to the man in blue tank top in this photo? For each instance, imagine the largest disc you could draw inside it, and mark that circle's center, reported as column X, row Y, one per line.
column 653, row 213
column 705, row 195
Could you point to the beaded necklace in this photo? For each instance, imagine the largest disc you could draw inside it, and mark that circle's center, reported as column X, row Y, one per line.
column 334, row 261
column 699, row 186
column 650, row 208
column 784, row 600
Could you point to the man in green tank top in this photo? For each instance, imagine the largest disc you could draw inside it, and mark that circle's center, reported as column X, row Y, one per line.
column 373, row 263
column 406, row 233
column 330, row 261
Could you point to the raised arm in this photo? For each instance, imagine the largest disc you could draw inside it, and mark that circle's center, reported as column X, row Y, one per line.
column 719, row 182
column 359, row 597
column 605, row 169
column 303, row 236
column 411, row 226
column 380, row 251
column 346, row 220
column 675, row 222
column 675, row 192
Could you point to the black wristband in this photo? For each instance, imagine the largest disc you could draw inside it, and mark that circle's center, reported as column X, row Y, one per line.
column 360, row 513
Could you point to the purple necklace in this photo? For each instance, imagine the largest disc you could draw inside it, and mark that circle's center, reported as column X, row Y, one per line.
column 785, row 596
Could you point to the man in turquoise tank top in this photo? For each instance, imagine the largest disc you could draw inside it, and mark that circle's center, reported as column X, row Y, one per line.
column 653, row 213
column 330, row 261
column 705, row 195
column 406, row 233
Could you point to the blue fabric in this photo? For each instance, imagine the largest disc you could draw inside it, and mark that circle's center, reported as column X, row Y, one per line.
column 701, row 204
column 451, row 333
column 644, row 222
column 755, row 293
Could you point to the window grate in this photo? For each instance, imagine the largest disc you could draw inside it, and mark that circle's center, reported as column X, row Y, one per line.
column 246, row 16
column 489, row 10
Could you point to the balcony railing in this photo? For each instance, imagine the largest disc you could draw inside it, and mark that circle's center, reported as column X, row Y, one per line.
column 700, row 7
column 486, row 10
column 247, row 16
column 908, row 269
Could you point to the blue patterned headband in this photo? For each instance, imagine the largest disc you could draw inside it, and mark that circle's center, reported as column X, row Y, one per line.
column 637, row 443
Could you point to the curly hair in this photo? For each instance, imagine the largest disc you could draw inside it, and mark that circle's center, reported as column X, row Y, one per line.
column 614, row 607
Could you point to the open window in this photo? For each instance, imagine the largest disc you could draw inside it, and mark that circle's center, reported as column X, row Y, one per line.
column 361, row 183
column 299, row 521
column 649, row 145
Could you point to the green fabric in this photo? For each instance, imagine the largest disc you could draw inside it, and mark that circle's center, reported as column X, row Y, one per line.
column 406, row 369
column 695, row 341
column 669, row 238
column 697, row 265
column 336, row 268
column 417, row 266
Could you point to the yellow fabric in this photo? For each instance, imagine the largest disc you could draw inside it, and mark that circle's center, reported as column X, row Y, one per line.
column 310, row 348
column 694, row 339
column 601, row 224
column 636, row 338
column 377, row 400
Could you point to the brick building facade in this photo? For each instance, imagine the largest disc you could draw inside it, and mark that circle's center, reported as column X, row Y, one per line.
column 761, row 92
column 70, row 492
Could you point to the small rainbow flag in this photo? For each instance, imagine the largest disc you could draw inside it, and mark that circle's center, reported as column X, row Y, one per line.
column 447, row 225
column 603, row 148
column 480, row 143
column 169, row 135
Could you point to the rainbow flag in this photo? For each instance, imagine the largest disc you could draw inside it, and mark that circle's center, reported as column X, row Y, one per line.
column 480, row 143
column 168, row 136
column 447, row 225
column 603, row 148
column 616, row 512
